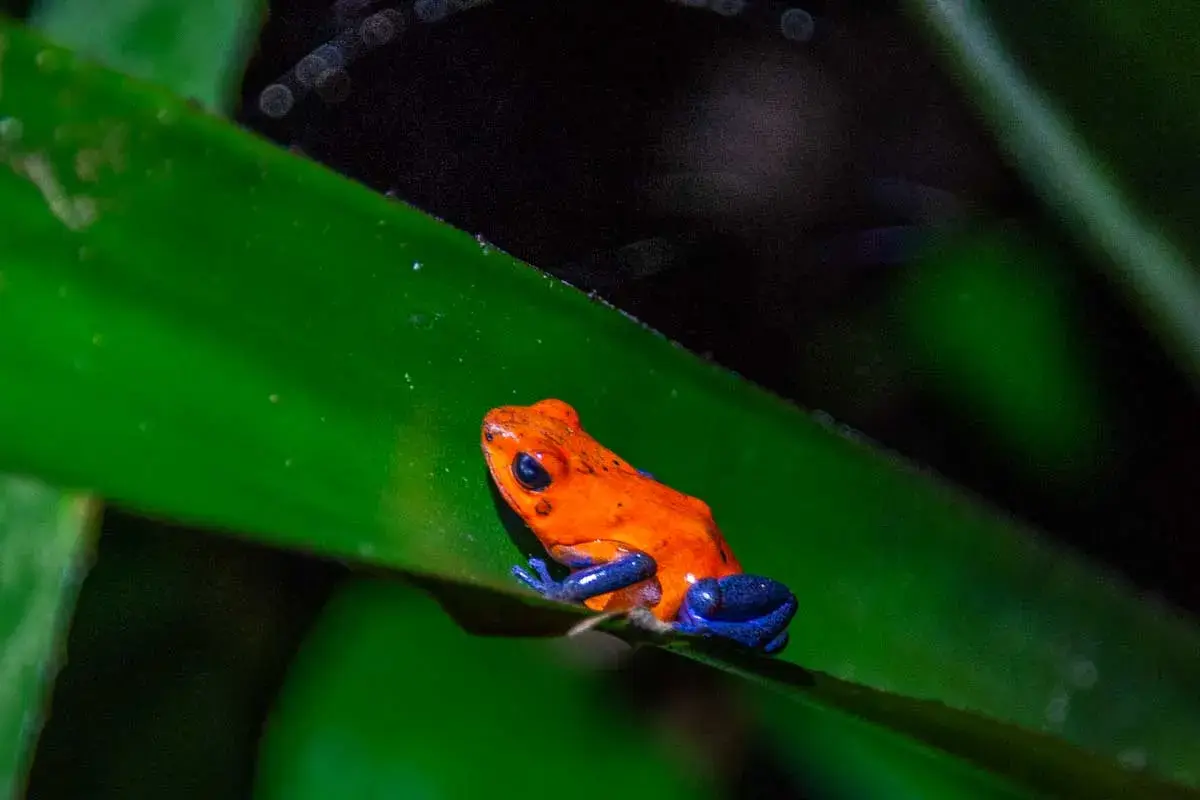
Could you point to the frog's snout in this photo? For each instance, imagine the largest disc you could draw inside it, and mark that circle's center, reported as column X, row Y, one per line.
column 499, row 424
column 491, row 434
column 493, row 430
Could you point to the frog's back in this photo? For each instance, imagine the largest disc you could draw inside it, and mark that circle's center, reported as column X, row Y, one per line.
column 688, row 533
column 645, row 515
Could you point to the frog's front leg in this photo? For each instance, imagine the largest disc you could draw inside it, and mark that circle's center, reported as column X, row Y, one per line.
column 748, row 609
column 611, row 576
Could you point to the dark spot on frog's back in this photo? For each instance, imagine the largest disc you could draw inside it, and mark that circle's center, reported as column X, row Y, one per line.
column 543, row 508
column 719, row 541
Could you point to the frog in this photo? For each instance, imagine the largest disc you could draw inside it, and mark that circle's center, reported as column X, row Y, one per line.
column 632, row 543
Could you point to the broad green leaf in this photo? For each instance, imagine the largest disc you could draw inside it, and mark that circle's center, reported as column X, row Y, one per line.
column 45, row 537
column 1097, row 106
column 197, row 48
column 44, row 533
column 228, row 335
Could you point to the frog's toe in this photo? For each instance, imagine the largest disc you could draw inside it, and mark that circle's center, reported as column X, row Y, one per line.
column 776, row 645
column 542, row 584
column 542, row 570
column 521, row 574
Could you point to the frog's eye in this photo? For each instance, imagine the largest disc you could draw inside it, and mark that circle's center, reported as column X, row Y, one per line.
column 529, row 473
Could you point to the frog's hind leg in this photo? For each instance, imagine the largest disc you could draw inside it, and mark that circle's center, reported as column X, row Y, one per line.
column 748, row 609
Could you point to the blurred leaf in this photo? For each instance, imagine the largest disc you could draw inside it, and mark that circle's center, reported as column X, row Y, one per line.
column 1097, row 105
column 44, row 538
column 389, row 699
column 229, row 335
column 198, row 49
column 177, row 644
column 989, row 317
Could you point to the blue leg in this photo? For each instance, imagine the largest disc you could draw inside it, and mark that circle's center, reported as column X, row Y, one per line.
column 748, row 609
column 619, row 573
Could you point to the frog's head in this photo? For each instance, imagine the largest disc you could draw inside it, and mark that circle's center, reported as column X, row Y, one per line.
column 528, row 452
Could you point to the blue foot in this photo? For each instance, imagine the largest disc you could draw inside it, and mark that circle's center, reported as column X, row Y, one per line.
column 543, row 584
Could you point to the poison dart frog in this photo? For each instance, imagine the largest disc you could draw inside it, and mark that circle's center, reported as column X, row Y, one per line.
column 630, row 541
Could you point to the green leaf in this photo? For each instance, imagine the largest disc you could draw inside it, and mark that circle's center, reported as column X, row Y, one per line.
column 228, row 335
column 45, row 535
column 197, row 49
column 1076, row 93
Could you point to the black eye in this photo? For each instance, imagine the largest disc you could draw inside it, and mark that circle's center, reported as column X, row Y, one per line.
column 529, row 473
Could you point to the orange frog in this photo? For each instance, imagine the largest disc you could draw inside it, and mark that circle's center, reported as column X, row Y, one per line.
column 630, row 541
